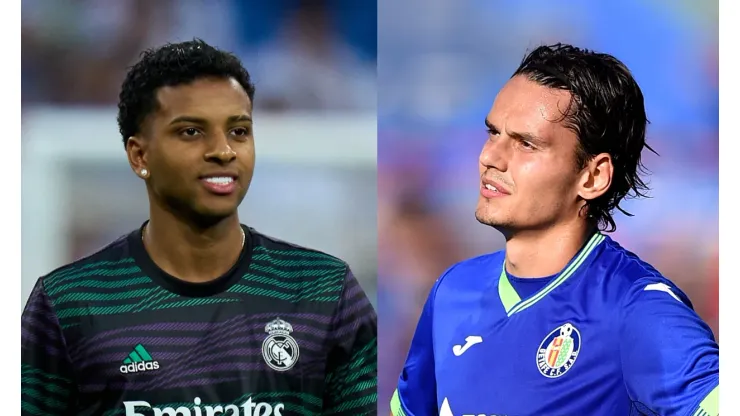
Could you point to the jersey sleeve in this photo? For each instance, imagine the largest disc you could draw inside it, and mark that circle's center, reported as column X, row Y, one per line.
column 416, row 393
column 47, row 386
column 352, row 379
column 670, row 360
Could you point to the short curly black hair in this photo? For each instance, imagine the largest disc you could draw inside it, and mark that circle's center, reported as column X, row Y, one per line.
column 607, row 112
column 170, row 65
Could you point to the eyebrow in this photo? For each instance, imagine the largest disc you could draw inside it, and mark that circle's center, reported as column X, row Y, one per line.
column 199, row 120
column 530, row 137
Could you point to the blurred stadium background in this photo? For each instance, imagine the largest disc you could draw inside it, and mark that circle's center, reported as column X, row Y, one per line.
column 313, row 63
column 440, row 65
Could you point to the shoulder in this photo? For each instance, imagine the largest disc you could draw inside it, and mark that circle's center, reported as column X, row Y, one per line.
column 110, row 261
column 471, row 274
column 632, row 279
column 475, row 265
column 282, row 253
column 305, row 274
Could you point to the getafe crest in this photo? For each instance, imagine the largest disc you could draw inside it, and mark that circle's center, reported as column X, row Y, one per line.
column 279, row 349
column 558, row 351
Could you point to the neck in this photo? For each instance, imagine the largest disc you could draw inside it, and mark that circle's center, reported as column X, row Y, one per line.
column 545, row 252
column 190, row 252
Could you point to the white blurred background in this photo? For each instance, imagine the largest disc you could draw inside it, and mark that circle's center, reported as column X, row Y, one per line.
column 313, row 63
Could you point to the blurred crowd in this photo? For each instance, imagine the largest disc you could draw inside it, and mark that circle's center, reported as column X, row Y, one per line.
column 303, row 54
column 439, row 72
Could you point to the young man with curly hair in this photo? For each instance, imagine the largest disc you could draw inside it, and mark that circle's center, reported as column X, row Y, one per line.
column 194, row 313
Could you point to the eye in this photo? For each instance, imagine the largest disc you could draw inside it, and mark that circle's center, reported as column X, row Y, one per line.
column 190, row 132
column 492, row 132
column 527, row 145
column 241, row 131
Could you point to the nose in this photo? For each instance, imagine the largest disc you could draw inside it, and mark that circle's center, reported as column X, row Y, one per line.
column 220, row 151
column 495, row 154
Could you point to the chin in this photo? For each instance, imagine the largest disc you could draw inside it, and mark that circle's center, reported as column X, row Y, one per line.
column 222, row 211
column 492, row 218
column 485, row 218
column 487, row 214
column 221, row 206
column 211, row 214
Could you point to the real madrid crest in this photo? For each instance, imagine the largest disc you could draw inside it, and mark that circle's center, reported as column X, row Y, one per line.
column 279, row 349
column 558, row 351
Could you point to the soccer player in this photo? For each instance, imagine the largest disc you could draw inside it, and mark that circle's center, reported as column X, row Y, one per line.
column 564, row 321
column 194, row 314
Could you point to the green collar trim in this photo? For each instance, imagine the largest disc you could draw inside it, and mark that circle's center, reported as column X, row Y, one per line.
column 511, row 300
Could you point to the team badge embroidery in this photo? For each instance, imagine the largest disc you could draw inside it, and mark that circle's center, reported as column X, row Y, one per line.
column 279, row 349
column 558, row 351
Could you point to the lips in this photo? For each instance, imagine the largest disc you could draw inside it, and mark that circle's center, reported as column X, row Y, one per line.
column 220, row 183
column 494, row 186
column 219, row 180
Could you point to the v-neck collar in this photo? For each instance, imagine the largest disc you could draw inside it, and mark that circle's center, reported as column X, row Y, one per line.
column 511, row 300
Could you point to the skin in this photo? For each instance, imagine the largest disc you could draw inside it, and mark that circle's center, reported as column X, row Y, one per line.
column 198, row 129
column 532, row 156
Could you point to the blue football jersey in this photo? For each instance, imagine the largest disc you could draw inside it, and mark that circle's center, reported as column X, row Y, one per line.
column 607, row 336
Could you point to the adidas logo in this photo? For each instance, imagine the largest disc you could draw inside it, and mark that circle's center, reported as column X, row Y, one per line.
column 139, row 360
